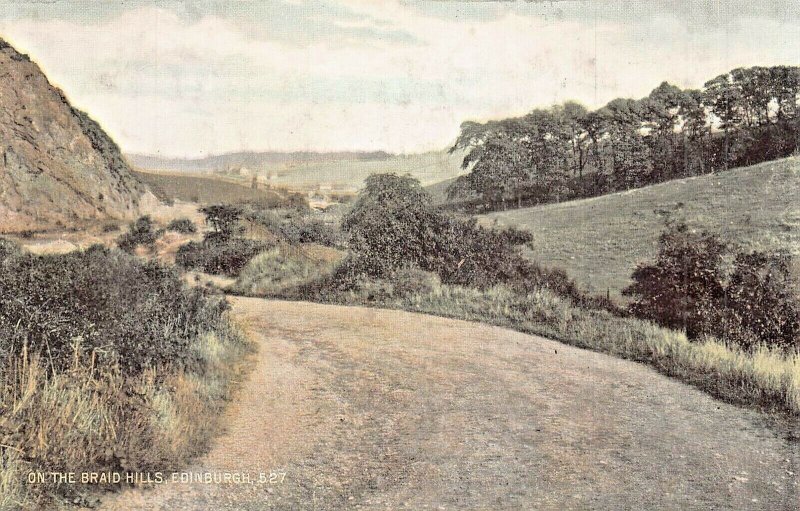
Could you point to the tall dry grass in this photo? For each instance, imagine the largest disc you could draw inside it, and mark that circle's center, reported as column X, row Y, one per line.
column 89, row 418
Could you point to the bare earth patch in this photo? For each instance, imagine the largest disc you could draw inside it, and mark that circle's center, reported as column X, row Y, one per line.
column 376, row 409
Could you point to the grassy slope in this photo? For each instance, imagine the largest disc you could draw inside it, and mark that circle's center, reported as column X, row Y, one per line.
column 599, row 241
column 204, row 190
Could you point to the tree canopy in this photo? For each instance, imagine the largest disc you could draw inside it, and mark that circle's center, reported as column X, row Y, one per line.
column 564, row 152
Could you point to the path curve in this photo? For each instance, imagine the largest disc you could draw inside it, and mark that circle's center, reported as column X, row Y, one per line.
column 376, row 409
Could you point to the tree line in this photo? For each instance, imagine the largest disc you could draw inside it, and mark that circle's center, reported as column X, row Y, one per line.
column 564, row 152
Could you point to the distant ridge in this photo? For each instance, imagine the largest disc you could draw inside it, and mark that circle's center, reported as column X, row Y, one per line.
column 58, row 167
column 249, row 159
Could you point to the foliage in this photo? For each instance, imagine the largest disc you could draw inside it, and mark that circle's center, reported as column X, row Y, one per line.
column 219, row 255
column 224, row 219
column 123, row 311
column 682, row 288
column 111, row 360
column 762, row 302
column 182, row 225
column 688, row 288
column 739, row 118
column 140, row 232
column 393, row 225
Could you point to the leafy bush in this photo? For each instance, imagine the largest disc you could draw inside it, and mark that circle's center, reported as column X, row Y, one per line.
column 393, row 225
column 684, row 286
column 687, row 288
column 219, row 255
column 127, row 312
column 293, row 225
column 109, row 358
column 761, row 304
column 224, row 218
column 182, row 225
column 305, row 230
column 140, row 232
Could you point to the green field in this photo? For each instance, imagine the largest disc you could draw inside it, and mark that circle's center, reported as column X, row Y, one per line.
column 203, row 190
column 599, row 241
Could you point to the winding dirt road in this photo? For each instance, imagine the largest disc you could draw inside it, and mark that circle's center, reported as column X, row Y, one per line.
column 375, row 409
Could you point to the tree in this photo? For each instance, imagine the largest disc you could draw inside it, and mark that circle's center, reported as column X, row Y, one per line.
column 394, row 226
column 683, row 287
column 224, row 219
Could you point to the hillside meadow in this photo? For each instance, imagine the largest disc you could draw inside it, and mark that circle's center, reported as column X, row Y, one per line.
column 599, row 241
column 170, row 187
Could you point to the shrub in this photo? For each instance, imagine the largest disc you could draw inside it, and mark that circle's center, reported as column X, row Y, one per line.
column 294, row 225
column 219, row 255
column 224, row 218
column 125, row 311
column 305, row 230
column 687, row 288
column 182, row 225
column 111, row 360
column 684, row 287
column 393, row 225
column 140, row 232
column 761, row 304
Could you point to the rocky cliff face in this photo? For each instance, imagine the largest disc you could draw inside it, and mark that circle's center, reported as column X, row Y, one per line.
column 57, row 166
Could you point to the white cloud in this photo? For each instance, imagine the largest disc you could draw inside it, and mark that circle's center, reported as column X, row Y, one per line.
column 399, row 79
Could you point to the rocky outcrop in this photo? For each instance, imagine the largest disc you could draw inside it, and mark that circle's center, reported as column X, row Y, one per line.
column 58, row 168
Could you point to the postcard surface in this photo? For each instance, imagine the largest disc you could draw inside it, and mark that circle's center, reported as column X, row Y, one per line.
column 400, row 254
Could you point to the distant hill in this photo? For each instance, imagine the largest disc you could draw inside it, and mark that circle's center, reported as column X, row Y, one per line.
column 204, row 190
column 253, row 160
column 343, row 171
column 599, row 241
column 57, row 166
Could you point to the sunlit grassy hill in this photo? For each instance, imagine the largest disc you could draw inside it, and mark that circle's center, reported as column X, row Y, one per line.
column 599, row 241
column 204, row 190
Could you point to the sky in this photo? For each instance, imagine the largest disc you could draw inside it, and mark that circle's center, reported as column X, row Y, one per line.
column 193, row 78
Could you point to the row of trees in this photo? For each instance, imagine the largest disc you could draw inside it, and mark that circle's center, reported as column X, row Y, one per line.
column 739, row 118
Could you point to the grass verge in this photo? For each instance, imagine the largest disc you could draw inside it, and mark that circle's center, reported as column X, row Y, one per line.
column 118, row 393
column 764, row 378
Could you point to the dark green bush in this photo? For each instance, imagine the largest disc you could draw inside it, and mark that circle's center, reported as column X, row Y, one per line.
column 182, row 225
column 140, row 232
column 309, row 230
column 137, row 314
column 760, row 301
column 688, row 288
column 393, row 225
column 294, row 225
column 219, row 255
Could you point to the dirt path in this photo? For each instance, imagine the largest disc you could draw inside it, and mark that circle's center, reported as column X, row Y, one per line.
column 374, row 409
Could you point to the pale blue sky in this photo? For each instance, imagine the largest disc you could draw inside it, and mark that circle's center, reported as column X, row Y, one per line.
column 188, row 78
